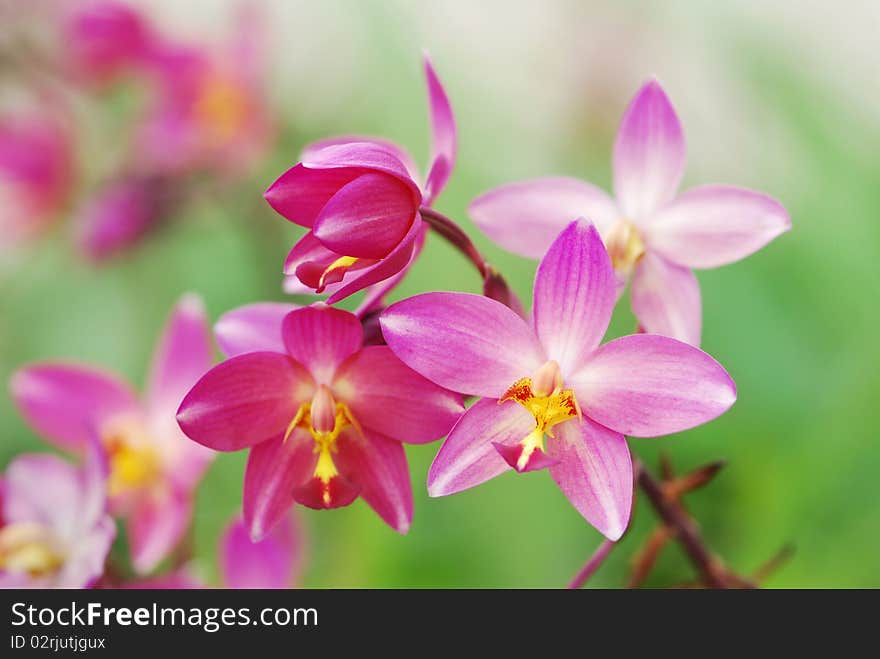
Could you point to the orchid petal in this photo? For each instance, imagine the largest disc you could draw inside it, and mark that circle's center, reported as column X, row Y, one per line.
column 649, row 153
column 713, row 225
column 463, row 342
column 244, row 400
column 156, row 525
column 321, row 338
column 68, row 404
column 666, row 299
column 575, row 292
column 309, row 151
column 443, row 135
column 645, row 385
column 378, row 465
column 367, row 217
column 387, row 396
column 469, row 456
column 595, row 473
column 526, row 217
column 252, row 328
column 300, row 193
column 270, row 563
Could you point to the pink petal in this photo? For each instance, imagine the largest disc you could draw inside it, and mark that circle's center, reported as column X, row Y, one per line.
column 666, row 299
column 244, row 400
column 87, row 556
column 647, row 385
column 649, row 153
column 526, row 217
column 374, row 297
column 364, row 156
column 443, row 135
column 389, row 266
column 275, row 468
column 378, row 465
column 269, row 563
column 45, row 489
column 366, row 218
column 182, row 356
column 595, row 473
column 575, row 292
column 469, row 457
column 387, row 396
column 321, row 338
column 156, row 525
column 68, row 404
column 300, row 193
column 316, row 266
column 536, row 461
column 252, row 328
column 713, row 225
column 463, row 342
column 395, row 150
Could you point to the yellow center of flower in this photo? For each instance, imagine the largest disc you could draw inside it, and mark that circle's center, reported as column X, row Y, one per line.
column 324, row 419
column 335, row 271
column 625, row 246
column 134, row 463
column 545, row 399
column 221, row 107
column 29, row 547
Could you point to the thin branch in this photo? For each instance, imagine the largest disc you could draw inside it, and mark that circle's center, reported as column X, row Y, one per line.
column 455, row 236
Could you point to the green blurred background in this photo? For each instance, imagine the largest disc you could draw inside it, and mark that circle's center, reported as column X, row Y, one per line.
column 780, row 96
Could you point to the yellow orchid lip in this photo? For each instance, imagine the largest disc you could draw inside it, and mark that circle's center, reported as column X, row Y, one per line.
column 625, row 246
column 30, row 547
column 134, row 463
column 543, row 396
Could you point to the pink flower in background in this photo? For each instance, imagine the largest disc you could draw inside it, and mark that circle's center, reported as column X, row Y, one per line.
column 551, row 378
column 323, row 416
column 210, row 111
column 154, row 469
column 123, row 213
column 54, row 529
column 105, row 39
column 36, row 174
column 360, row 198
column 651, row 234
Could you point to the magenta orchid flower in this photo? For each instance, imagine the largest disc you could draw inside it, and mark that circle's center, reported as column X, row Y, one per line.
column 105, row 39
column 123, row 213
column 323, row 416
column 360, row 199
column 154, row 469
column 550, row 395
column 36, row 175
column 54, row 529
column 651, row 235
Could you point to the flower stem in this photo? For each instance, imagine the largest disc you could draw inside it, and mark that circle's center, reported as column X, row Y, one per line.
column 592, row 564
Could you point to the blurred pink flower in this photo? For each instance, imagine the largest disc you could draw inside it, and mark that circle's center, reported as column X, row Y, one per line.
column 323, row 416
column 360, row 198
column 273, row 562
column 54, row 530
column 36, row 174
column 552, row 378
column 651, row 234
column 122, row 213
column 154, row 469
column 104, row 39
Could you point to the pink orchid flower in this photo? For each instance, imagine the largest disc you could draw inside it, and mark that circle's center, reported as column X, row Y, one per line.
column 105, row 39
column 273, row 562
column 360, row 199
column 121, row 214
column 210, row 111
column 651, row 234
column 323, row 416
column 154, row 469
column 36, row 175
column 54, row 529
column 551, row 378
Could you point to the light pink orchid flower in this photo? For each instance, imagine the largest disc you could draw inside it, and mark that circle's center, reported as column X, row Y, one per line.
column 651, row 234
column 360, row 199
column 36, row 175
column 551, row 379
column 154, row 469
column 54, row 529
column 323, row 416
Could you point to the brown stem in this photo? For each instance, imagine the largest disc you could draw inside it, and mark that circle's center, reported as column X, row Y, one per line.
column 456, row 236
column 592, row 564
column 711, row 572
column 646, row 559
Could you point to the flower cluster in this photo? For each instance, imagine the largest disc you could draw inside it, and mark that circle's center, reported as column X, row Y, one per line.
column 324, row 399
